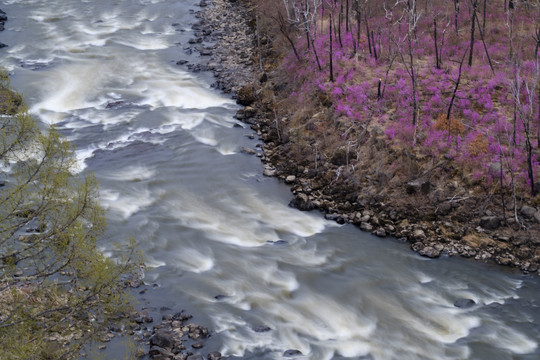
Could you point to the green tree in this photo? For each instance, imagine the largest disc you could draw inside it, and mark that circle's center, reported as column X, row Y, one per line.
column 57, row 291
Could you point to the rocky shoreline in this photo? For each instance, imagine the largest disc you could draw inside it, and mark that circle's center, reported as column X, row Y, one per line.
column 455, row 226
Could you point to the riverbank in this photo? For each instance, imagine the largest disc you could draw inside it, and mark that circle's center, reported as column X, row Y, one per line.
column 384, row 189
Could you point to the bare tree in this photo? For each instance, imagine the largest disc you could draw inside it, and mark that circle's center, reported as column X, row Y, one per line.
column 525, row 113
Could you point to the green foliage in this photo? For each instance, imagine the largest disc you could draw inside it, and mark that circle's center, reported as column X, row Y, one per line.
column 57, row 291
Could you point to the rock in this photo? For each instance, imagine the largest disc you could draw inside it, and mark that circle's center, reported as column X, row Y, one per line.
column 490, row 222
column 246, row 150
column 430, row 252
column 302, row 202
column 2, row 45
column 417, row 187
column 261, row 329
column 143, row 317
column 182, row 62
column 523, row 252
column 292, row 352
column 156, row 350
column 365, row 226
column 444, row 208
column 246, row 96
column 418, row 234
column 268, row 171
column 417, row 246
column 520, row 239
column 195, row 357
column 477, row 240
column 197, row 345
column 162, row 340
column 536, row 215
column 290, row 179
column 380, row 232
column 250, row 112
column 214, row 356
column 528, row 211
column 464, row 303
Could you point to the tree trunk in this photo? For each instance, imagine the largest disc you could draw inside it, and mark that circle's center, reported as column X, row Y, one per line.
column 456, row 15
column 347, row 16
column 473, row 23
column 374, row 46
column 331, row 52
column 368, row 37
column 437, row 63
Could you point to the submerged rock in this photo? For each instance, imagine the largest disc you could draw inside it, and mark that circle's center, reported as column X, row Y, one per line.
column 464, row 303
column 292, row 352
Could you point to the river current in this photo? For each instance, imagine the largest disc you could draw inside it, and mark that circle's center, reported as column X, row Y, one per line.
column 219, row 238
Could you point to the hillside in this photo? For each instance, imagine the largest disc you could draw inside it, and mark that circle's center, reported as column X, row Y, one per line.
column 427, row 129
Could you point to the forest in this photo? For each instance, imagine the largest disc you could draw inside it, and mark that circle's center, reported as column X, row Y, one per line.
column 455, row 81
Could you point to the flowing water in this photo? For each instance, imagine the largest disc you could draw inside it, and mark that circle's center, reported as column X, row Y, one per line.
column 218, row 236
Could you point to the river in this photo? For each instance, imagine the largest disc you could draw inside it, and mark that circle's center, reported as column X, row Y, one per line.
column 219, row 238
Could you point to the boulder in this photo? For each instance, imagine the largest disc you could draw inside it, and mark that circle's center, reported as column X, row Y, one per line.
column 380, row 232
column 246, row 96
column 162, row 340
column 302, row 202
column 528, row 211
column 490, row 222
column 156, row 351
column 430, row 252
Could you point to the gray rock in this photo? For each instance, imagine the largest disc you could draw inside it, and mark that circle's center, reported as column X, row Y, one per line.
column 380, row 232
column 418, row 234
column 490, row 222
column 162, row 340
column 195, row 357
column 156, row 350
column 269, row 172
column 445, row 208
column 366, row 226
column 302, row 202
column 527, row 211
column 536, row 215
column 290, row 179
column 246, row 150
column 261, row 328
column 214, row 356
column 292, row 352
column 464, row 303
column 197, row 345
column 430, row 252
